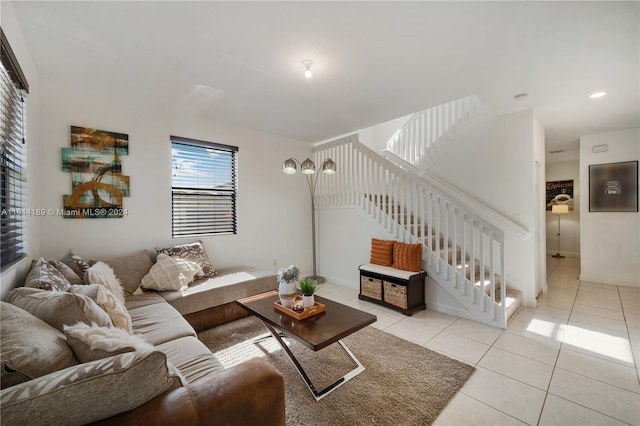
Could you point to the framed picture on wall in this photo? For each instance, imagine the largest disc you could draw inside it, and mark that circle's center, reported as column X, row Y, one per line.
column 613, row 187
column 559, row 192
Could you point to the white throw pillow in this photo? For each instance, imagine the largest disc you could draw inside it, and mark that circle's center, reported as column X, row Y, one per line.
column 106, row 300
column 91, row 342
column 170, row 273
column 101, row 273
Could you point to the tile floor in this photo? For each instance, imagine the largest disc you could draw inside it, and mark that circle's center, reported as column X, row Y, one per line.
column 573, row 360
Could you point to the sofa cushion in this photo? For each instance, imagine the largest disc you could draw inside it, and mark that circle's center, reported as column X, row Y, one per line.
column 143, row 299
column 89, row 392
column 75, row 262
column 225, row 287
column 29, row 347
column 193, row 251
column 45, row 276
column 159, row 323
column 59, row 308
column 170, row 273
column 66, row 272
column 130, row 268
column 90, row 342
column 117, row 312
column 191, row 357
column 382, row 252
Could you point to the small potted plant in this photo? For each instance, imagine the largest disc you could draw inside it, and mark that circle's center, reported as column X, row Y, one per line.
column 287, row 278
column 308, row 288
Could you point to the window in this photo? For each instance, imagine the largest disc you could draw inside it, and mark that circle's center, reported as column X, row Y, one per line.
column 203, row 188
column 13, row 181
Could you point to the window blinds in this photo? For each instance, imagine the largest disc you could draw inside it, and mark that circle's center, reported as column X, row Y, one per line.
column 203, row 190
column 13, row 182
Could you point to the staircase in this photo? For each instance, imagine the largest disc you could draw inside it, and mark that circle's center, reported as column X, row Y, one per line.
column 462, row 252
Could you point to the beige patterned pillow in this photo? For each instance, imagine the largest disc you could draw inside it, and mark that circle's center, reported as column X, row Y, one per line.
column 102, row 274
column 75, row 262
column 110, row 386
column 29, row 347
column 90, row 343
column 194, row 252
column 45, row 276
column 170, row 273
column 119, row 315
column 66, row 272
column 58, row 308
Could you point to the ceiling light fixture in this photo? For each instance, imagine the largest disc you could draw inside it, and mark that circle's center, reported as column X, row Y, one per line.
column 307, row 64
column 597, row 95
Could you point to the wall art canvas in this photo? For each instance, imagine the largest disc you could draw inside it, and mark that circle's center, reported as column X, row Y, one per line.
column 560, row 192
column 613, row 187
column 97, row 183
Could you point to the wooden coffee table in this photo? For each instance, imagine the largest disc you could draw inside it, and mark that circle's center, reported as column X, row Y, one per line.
column 316, row 332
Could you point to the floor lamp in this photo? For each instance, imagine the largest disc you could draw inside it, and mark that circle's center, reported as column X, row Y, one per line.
column 308, row 169
column 559, row 209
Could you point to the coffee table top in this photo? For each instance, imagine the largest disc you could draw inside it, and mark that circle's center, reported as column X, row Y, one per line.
column 316, row 332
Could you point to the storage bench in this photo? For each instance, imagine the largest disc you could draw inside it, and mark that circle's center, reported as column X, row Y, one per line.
column 394, row 288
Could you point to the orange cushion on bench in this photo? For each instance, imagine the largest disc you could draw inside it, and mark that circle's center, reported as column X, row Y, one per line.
column 382, row 252
column 407, row 257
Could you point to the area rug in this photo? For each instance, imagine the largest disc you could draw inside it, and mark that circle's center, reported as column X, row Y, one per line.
column 403, row 383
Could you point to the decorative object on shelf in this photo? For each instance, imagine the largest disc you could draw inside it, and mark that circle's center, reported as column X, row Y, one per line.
column 308, row 287
column 559, row 209
column 287, row 278
column 613, row 187
column 308, row 169
column 97, row 182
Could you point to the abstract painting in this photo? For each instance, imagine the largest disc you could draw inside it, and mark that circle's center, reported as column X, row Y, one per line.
column 97, row 182
column 613, row 187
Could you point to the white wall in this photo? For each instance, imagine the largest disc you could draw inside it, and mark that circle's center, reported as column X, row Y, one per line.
column 376, row 137
column 16, row 272
column 570, row 222
column 273, row 208
column 609, row 242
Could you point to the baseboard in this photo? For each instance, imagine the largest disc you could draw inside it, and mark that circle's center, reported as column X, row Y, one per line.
column 563, row 253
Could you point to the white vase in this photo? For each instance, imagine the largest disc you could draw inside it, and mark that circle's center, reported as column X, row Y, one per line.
column 287, row 293
column 308, row 301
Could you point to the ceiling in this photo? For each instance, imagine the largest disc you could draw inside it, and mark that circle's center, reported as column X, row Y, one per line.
column 240, row 62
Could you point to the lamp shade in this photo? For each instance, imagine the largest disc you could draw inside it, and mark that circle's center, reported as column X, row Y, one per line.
column 289, row 166
column 329, row 166
column 560, row 209
column 308, row 168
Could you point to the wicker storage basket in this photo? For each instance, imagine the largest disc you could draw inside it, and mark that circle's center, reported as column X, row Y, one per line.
column 371, row 287
column 395, row 294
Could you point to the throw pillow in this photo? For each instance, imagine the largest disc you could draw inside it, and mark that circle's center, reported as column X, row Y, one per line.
column 66, row 272
column 102, row 274
column 194, row 252
column 104, row 298
column 45, row 276
column 90, row 342
column 382, row 252
column 58, row 308
column 107, row 386
column 407, row 257
column 75, row 262
column 29, row 347
column 129, row 268
column 170, row 274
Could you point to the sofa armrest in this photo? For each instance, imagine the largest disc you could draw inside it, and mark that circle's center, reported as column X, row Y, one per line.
column 248, row 393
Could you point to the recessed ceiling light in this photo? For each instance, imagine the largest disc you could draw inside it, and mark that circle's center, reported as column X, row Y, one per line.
column 597, row 95
column 520, row 96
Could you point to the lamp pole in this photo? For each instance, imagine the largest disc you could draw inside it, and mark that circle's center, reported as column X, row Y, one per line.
column 308, row 168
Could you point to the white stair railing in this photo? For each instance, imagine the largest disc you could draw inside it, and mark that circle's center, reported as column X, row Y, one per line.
column 461, row 251
column 430, row 131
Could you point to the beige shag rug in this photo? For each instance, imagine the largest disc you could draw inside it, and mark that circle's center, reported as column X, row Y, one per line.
column 403, row 383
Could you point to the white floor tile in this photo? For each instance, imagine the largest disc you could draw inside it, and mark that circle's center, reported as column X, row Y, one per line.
column 579, row 318
column 599, row 369
column 460, row 347
column 517, row 367
column 475, row 331
column 610, row 400
column 510, row 396
column 386, row 317
column 599, row 312
column 464, row 410
column 560, row 412
column 536, row 350
column 413, row 329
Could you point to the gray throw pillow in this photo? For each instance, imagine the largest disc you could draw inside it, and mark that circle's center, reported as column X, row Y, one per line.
column 75, row 262
column 45, row 276
column 129, row 268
